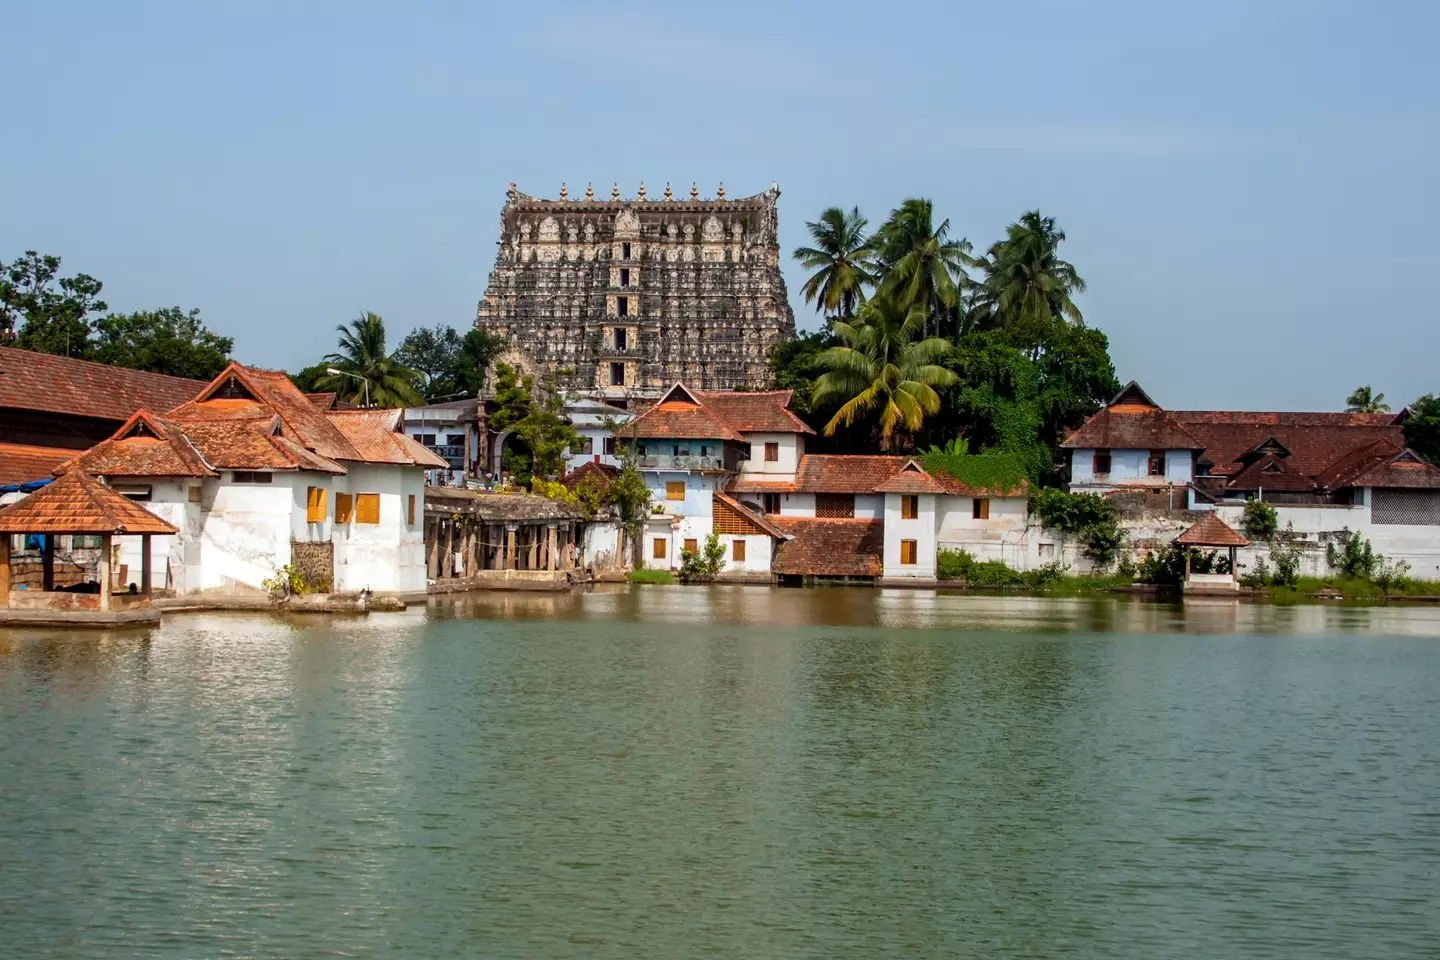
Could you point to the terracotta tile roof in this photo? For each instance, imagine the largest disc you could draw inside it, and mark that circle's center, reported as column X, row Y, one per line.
column 845, row 473
column 833, row 548
column 497, row 507
column 1357, row 461
column 51, row 384
column 78, row 503
column 377, row 436
column 250, row 445
column 325, row 401
column 761, row 522
column 1405, row 470
column 681, row 414
column 1132, row 428
column 144, row 446
column 602, row 473
column 755, row 483
column 1315, row 441
column 244, row 393
column 1271, row 473
column 759, row 412
column 20, row 462
column 911, row 478
column 1211, row 532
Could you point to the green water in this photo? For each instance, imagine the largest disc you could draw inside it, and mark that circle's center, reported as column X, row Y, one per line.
column 728, row 772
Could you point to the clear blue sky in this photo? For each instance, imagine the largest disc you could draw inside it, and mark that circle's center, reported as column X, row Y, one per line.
column 1249, row 186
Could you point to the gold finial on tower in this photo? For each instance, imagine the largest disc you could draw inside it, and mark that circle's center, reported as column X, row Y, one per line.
column 642, row 190
column 667, row 190
column 615, row 192
column 589, row 192
column 721, row 194
column 694, row 190
column 562, row 191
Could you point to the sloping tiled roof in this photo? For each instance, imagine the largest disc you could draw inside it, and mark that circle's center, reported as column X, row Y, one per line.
column 1405, row 470
column 845, row 473
column 1271, row 473
column 144, row 446
column 1315, row 440
column 760, row 521
column 830, row 548
column 602, row 473
column 498, row 507
column 760, row 412
column 1211, row 532
column 250, row 445
column 681, row 414
column 243, row 393
column 20, row 462
column 1132, row 428
column 757, row 483
column 51, row 384
column 323, row 400
column 911, row 478
column 78, row 503
column 377, row 437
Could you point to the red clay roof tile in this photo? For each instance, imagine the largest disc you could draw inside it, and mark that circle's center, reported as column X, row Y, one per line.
column 51, row 384
column 758, row 412
column 1211, row 532
column 832, row 548
column 21, row 462
column 78, row 503
column 377, row 437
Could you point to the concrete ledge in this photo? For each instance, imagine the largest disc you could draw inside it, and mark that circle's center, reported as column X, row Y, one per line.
column 79, row 618
column 537, row 580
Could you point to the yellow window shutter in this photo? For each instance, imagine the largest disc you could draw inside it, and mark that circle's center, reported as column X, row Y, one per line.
column 367, row 508
column 342, row 507
column 410, row 511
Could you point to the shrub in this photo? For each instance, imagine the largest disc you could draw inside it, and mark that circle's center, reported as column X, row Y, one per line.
column 1045, row 575
column 1355, row 558
column 695, row 565
column 1126, row 569
column 1391, row 575
column 1258, row 577
column 1287, row 564
column 1167, row 567
column 953, row 564
column 1088, row 516
column 1259, row 521
column 286, row 581
column 993, row 573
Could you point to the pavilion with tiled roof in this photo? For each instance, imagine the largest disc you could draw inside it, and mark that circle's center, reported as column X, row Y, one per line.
column 1211, row 531
column 76, row 504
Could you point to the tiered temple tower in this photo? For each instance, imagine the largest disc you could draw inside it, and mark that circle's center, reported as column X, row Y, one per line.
column 622, row 298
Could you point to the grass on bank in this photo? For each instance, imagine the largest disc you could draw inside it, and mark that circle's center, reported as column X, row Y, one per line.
column 651, row 576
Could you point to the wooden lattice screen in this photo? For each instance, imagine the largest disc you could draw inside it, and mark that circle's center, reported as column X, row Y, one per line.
column 726, row 519
column 834, row 506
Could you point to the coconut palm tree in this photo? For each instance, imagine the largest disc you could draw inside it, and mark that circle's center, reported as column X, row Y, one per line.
column 1365, row 400
column 366, row 373
column 842, row 260
column 921, row 266
column 884, row 366
column 1026, row 282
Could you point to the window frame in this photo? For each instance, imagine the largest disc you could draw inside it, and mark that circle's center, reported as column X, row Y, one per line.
column 315, row 505
column 670, row 487
column 770, row 503
column 836, row 505
column 772, row 451
column 909, row 506
column 979, row 508
column 1101, row 458
column 410, row 511
column 251, row 476
column 910, row 548
column 1155, row 466
column 692, row 545
column 367, row 505
column 737, row 550
column 657, row 548
column 344, row 507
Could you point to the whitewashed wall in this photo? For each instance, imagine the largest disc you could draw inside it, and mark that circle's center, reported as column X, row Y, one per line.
column 758, row 551
column 792, row 445
column 921, row 530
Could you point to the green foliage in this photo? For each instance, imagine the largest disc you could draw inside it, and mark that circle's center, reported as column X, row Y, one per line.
column 1027, row 287
column 1365, row 400
column 962, row 565
column 288, row 581
column 920, row 267
column 955, row 448
column 842, row 259
column 1126, row 569
column 795, row 365
column 883, row 369
column 449, row 365
column 49, row 313
column 987, row 471
column 647, row 575
column 167, row 340
column 1352, row 556
column 695, row 565
column 1390, row 575
column 545, row 432
column 1285, row 557
column 1422, row 427
column 370, row 374
column 308, row 379
column 1089, row 517
column 1260, row 521
column 512, row 397
column 1167, row 567
column 630, row 498
column 589, row 495
column 953, row 564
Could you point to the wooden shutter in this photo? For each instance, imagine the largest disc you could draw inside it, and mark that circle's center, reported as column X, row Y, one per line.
column 909, row 506
column 692, row 546
column 675, row 490
column 980, row 508
column 410, row 510
column 772, row 452
column 367, row 508
column 342, row 507
column 657, row 550
column 907, row 552
column 737, row 551
column 314, row 504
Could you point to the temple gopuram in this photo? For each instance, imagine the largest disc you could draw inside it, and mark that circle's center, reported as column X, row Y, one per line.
column 621, row 298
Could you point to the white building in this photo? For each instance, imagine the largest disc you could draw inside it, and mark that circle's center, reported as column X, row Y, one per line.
column 590, row 418
column 455, row 433
column 256, row 477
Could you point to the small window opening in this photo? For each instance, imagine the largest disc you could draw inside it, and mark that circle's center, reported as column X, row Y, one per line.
column 622, row 306
column 621, row 338
column 617, row 374
column 624, row 251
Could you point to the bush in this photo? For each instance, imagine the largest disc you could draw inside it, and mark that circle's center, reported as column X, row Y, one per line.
column 1088, row 516
column 1287, row 564
column 1260, row 521
column 1167, row 567
column 697, row 566
column 1045, row 575
column 1391, row 575
column 651, row 576
column 993, row 573
column 953, row 564
column 1355, row 558
column 1126, row 569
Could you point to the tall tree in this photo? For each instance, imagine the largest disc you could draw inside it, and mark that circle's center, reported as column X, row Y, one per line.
column 1422, row 427
column 369, row 374
column 546, row 432
column 55, row 311
column 432, row 352
column 477, row 349
column 884, row 367
column 842, row 259
column 921, row 266
column 1027, row 287
column 1365, row 400
column 167, row 340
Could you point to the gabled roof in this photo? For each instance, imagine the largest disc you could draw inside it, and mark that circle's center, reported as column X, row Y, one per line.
column 1211, row 532
column 1131, row 427
column 253, row 444
column 760, row 522
column 845, row 473
column 144, row 446
column 1132, row 395
column 22, row 462
column 756, row 412
column 830, row 548
column 245, row 393
column 1404, row 470
column 78, row 503
column 603, row 475
column 1315, row 441
column 378, row 436
column 911, row 478
column 681, row 414
column 1271, row 473
column 51, row 384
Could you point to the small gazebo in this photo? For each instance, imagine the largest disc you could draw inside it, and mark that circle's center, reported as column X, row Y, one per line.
column 76, row 504
column 1211, row 532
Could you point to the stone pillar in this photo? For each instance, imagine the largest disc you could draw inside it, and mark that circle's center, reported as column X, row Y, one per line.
column 534, row 538
column 550, row 549
column 4, row 570
column 472, row 563
column 47, row 561
column 145, row 564
column 432, row 543
column 511, row 557
column 105, row 572
column 569, row 553
column 450, row 547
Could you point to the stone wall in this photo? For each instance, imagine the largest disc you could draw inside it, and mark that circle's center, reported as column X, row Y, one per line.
column 316, row 562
